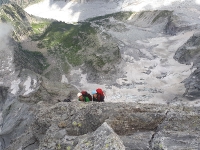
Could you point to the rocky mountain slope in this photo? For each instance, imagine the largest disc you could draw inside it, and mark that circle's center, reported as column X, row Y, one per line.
column 29, row 124
column 107, row 50
column 120, row 126
column 151, row 31
column 137, row 57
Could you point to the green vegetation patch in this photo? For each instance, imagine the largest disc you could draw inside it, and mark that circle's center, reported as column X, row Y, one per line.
column 70, row 45
column 38, row 28
column 66, row 35
column 74, row 44
column 66, row 40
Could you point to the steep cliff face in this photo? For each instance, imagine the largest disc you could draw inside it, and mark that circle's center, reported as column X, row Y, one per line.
column 21, row 23
column 18, row 111
column 187, row 54
column 19, row 19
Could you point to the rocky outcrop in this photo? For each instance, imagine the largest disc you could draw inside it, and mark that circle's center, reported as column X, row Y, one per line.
column 187, row 54
column 51, row 92
column 138, row 140
column 78, row 125
column 103, row 138
column 17, row 118
column 42, row 89
column 18, row 18
column 32, row 60
column 178, row 131
column 18, row 113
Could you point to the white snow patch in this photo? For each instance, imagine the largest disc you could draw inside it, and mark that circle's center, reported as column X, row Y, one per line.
column 75, row 71
column 28, row 86
column 15, row 86
column 64, row 79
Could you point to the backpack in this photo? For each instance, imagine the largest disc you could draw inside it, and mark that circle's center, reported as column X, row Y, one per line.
column 100, row 92
column 86, row 94
column 100, row 95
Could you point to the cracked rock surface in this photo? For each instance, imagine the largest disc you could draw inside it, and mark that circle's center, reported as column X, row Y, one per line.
column 77, row 125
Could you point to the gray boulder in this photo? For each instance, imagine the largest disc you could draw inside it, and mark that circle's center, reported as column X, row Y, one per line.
column 103, row 138
column 180, row 130
column 138, row 140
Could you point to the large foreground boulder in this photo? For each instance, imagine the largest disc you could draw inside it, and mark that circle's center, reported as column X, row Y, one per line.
column 78, row 125
column 103, row 138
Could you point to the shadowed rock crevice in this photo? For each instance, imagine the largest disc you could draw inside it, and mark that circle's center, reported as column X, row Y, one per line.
column 157, row 129
column 3, row 96
column 33, row 143
column 170, row 28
